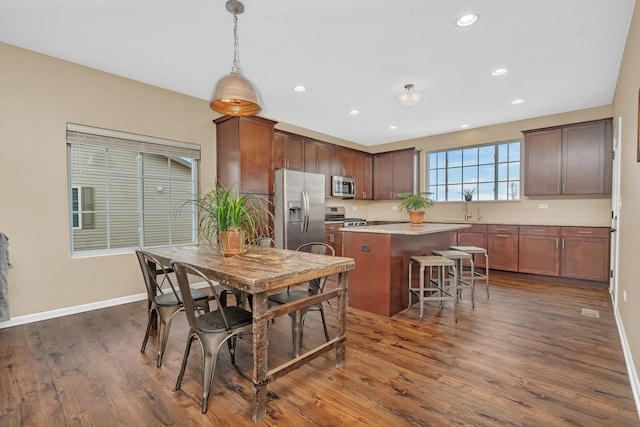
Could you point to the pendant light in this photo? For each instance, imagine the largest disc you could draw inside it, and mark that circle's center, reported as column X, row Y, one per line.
column 234, row 94
column 409, row 97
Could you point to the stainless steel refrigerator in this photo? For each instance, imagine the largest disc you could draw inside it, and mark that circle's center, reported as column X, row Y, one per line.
column 299, row 208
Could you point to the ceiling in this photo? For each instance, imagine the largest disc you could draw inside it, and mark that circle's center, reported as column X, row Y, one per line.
column 355, row 54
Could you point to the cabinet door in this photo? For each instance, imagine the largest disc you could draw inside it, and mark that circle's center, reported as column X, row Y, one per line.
column 503, row 251
column 543, row 165
column 324, row 166
column 583, row 159
column 585, row 253
column 383, row 176
column 333, row 238
column 310, row 156
column 404, row 172
column 539, row 255
column 288, row 151
column 341, row 161
column 362, row 174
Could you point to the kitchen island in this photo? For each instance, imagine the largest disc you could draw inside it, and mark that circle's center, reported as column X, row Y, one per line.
column 381, row 253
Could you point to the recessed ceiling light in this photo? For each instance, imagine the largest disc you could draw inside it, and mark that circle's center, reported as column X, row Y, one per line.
column 299, row 88
column 354, row 112
column 499, row 72
column 517, row 101
column 466, row 20
column 464, row 126
column 393, row 127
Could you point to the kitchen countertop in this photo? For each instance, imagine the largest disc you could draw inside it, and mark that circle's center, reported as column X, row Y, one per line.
column 547, row 223
column 405, row 228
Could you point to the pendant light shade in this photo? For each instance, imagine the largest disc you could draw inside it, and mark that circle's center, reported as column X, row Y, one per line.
column 234, row 94
column 409, row 97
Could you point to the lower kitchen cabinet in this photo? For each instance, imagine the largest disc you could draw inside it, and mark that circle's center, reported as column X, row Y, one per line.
column 539, row 250
column 333, row 237
column 585, row 253
column 502, row 242
column 476, row 235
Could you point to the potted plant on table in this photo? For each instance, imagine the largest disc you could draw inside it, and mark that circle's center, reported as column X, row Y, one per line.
column 229, row 219
column 415, row 205
column 468, row 193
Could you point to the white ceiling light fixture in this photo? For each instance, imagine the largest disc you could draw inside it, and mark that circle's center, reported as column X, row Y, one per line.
column 517, row 101
column 234, row 94
column 354, row 112
column 409, row 97
column 464, row 126
column 393, row 127
column 467, row 20
column 499, row 72
column 299, row 88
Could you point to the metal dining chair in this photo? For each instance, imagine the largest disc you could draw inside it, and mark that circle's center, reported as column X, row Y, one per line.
column 315, row 287
column 163, row 304
column 210, row 329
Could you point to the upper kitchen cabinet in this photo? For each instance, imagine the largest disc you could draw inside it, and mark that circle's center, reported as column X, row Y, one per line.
column 395, row 172
column 317, row 159
column 244, row 149
column 571, row 160
column 362, row 168
column 341, row 161
column 288, row 151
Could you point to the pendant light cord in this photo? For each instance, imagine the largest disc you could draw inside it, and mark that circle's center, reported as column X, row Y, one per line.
column 236, row 53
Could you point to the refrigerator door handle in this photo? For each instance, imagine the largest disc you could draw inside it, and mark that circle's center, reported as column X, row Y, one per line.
column 305, row 212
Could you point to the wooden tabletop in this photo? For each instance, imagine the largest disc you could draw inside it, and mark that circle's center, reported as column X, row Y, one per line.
column 259, row 269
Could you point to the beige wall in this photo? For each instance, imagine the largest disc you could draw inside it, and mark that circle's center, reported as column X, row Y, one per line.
column 625, row 105
column 38, row 96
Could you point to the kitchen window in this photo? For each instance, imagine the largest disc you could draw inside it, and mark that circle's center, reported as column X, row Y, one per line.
column 491, row 171
column 127, row 191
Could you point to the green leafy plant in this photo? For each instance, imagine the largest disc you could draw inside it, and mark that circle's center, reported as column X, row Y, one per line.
column 468, row 193
column 224, row 209
column 415, row 202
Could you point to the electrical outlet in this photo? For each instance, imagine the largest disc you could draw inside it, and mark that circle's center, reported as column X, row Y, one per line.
column 543, row 205
column 394, row 207
column 624, row 295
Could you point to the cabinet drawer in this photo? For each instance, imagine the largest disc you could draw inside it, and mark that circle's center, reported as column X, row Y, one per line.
column 539, row 230
column 475, row 228
column 502, row 229
column 593, row 232
column 333, row 227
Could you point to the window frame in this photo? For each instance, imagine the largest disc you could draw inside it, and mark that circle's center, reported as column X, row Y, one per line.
column 495, row 182
column 139, row 146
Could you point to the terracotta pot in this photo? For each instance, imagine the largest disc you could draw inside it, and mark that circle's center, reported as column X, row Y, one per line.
column 232, row 242
column 416, row 218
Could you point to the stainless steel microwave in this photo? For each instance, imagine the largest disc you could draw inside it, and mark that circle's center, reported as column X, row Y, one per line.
column 342, row 186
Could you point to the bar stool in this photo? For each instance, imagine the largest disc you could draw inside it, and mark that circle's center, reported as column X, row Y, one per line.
column 476, row 250
column 459, row 257
column 435, row 290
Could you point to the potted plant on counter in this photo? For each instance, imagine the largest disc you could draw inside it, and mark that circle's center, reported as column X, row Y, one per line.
column 229, row 219
column 415, row 205
column 468, row 193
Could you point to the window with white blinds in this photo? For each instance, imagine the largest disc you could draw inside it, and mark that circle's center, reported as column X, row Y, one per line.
column 127, row 191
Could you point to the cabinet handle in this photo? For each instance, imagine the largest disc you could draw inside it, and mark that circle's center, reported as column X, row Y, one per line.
column 556, row 243
column 502, row 229
column 584, row 232
column 539, row 231
column 563, row 243
column 501, row 235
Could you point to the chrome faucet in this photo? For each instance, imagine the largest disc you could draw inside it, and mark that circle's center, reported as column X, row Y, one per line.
column 467, row 215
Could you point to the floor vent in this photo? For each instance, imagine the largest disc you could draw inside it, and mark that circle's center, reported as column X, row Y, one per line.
column 590, row 313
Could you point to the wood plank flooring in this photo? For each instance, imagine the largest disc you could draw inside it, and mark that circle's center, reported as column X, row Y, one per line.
column 524, row 357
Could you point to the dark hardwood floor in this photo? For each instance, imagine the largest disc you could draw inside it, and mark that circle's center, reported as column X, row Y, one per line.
column 524, row 357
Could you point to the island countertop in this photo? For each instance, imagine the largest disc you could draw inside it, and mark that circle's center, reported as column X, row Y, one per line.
column 405, row 228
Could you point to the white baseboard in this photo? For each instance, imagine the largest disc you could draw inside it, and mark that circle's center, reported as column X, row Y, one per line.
column 628, row 357
column 36, row 317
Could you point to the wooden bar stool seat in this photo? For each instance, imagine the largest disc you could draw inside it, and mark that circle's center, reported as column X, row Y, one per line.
column 473, row 250
column 442, row 288
column 459, row 257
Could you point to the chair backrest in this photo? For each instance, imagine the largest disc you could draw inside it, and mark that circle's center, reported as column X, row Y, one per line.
column 318, row 248
column 182, row 271
column 266, row 242
column 151, row 277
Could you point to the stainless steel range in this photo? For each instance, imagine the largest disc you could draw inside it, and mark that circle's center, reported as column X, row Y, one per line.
column 335, row 214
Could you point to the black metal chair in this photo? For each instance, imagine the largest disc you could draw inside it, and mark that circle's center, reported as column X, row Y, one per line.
column 163, row 304
column 210, row 329
column 316, row 286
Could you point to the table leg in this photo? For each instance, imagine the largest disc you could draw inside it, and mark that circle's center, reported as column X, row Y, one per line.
column 342, row 319
column 260, row 359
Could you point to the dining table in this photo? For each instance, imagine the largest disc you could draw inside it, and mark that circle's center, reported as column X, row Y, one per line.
column 260, row 271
